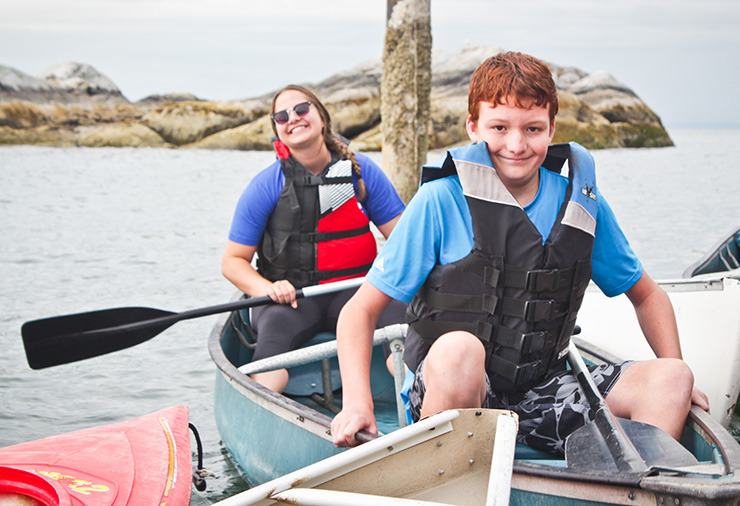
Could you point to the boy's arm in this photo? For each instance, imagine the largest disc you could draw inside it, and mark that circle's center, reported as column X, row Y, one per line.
column 658, row 323
column 355, row 329
column 656, row 317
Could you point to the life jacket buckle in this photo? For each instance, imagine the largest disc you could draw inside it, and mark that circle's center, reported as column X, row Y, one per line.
column 527, row 373
column 539, row 281
column 537, row 341
column 539, row 310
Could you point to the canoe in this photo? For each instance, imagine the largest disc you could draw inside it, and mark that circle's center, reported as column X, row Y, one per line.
column 141, row 462
column 455, row 457
column 708, row 315
column 722, row 257
column 270, row 435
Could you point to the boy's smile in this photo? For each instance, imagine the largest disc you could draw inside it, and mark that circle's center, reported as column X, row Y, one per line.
column 517, row 139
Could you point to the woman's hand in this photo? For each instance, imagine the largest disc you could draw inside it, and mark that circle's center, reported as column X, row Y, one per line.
column 282, row 292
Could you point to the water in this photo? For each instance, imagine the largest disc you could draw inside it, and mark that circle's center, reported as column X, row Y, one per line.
column 85, row 229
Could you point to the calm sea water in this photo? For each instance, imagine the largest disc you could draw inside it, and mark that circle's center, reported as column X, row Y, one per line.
column 86, row 229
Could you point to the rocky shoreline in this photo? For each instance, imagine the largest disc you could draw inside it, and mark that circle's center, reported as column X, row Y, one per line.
column 74, row 105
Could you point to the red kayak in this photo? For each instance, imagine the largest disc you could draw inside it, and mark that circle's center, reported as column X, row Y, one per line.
column 142, row 462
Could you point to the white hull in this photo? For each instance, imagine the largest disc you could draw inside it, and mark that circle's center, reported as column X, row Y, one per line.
column 708, row 314
column 458, row 457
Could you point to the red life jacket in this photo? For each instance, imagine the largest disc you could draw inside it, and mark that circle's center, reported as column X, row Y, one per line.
column 317, row 232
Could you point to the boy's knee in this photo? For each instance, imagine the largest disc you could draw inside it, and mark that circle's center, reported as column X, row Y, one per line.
column 672, row 376
column 457, row 348
column 455, row 353
column 678, row 372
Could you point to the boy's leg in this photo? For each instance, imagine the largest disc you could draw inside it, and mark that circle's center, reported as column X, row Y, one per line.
column 454, row 374
column 552, row 410
column 657, row 392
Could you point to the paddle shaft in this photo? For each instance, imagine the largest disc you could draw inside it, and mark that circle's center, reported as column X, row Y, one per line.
column 64, row 339
column 624, row 453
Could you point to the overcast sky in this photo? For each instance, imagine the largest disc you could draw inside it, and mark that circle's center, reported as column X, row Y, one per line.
column 680, row 56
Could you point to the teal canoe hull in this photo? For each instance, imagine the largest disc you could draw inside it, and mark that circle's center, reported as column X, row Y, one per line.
column 269, row 435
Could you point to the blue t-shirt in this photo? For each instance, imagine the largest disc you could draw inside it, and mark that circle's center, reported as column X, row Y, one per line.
column 436, row 228
column 381, row 203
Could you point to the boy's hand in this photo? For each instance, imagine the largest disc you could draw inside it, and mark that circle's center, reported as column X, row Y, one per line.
column 348, row 423
column 700, row 399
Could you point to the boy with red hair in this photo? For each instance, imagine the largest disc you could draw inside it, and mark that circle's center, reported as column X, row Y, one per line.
column 494, row 254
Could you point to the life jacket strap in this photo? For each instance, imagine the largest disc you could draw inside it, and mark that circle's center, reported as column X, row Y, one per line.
column 316, row 237
column 529, row 342
column 306, row 278
column 534, row 310
column 311, row 180
column 485, row 303
column 538, row 280
column 518, row 374
column 431, row 330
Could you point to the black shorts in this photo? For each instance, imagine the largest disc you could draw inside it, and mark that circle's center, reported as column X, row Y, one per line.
column 548, row 412
column 280, row 328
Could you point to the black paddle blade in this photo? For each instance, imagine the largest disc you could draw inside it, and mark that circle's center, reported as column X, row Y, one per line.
column 588, row 450
column 62, row 339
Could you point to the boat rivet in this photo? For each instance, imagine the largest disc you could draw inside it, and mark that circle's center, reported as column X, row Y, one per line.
column 390, row 448
column 439, row 443
column 478, row 413
column 470, row 434
column 471, row 462
column 441, row 472
column 631, row 496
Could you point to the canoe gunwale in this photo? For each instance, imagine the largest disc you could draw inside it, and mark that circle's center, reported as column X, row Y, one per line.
column 232, row 374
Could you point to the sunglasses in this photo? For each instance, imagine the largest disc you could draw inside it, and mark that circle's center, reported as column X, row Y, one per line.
column 282, row 117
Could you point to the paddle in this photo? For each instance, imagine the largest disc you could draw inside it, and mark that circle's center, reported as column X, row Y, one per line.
column 63, row 339
column 634, row 447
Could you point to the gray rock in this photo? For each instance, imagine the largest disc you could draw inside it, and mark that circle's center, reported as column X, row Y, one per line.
column 16, row 85
column 595, row 109
column 122, row 135
column 83, row 81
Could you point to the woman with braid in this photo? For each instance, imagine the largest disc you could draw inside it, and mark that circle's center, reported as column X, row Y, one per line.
column 307, row 217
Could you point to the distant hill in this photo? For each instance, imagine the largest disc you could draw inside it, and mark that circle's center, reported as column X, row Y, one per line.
column 74, row 104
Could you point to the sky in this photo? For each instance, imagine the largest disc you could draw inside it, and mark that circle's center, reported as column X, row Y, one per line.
column 681, row 57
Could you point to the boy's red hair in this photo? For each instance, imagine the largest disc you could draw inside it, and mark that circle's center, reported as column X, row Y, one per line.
column 523, row 78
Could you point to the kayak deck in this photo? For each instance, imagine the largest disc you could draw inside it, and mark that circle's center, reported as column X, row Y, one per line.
column 140, row 462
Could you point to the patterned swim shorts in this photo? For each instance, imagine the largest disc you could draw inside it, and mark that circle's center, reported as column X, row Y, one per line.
column 548, row 413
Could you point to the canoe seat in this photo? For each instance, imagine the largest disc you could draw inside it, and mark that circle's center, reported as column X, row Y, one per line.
column 306, row 379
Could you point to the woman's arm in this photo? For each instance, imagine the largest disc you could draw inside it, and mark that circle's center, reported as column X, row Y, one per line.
column 387, row 228
column 236, row 266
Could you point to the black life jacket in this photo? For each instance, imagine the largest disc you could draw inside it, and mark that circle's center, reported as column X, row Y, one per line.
column 317, row 232
column 517, row 295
